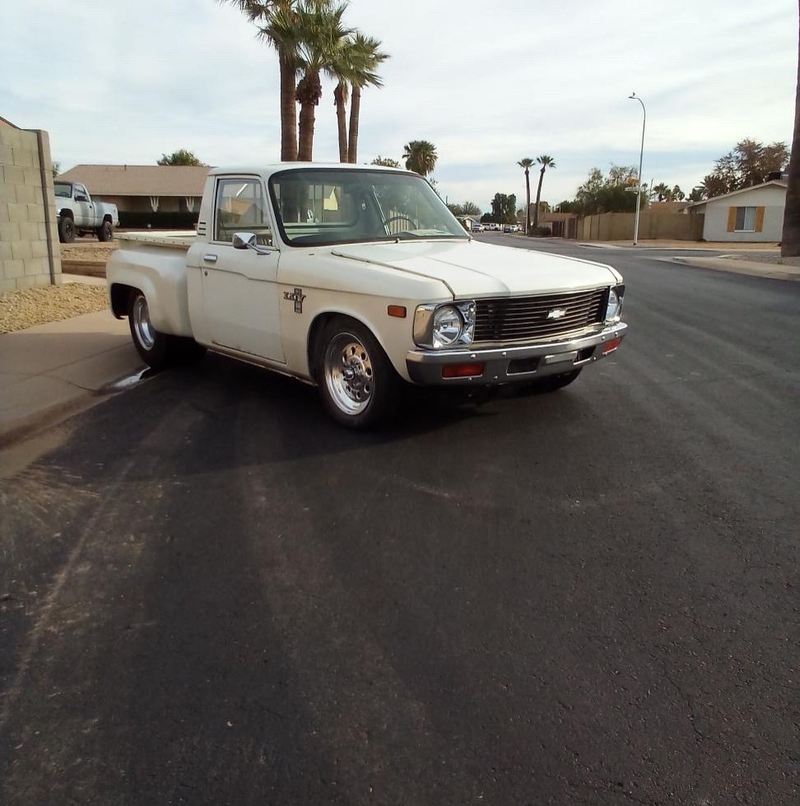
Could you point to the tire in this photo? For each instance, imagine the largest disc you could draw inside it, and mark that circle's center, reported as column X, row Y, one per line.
column 358, row 384
column 105, row 232
column 66, row 230
column 158, row 350
column 151, row 345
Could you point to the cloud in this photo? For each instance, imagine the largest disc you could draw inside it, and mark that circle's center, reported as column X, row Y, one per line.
column 488, row 84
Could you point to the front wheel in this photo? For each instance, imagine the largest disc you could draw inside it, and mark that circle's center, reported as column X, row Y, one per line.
column 357, row 382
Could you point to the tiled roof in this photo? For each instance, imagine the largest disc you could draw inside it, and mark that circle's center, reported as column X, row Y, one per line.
column 139, row 180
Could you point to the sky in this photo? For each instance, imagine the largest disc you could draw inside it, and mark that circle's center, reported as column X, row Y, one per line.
column 488, row 83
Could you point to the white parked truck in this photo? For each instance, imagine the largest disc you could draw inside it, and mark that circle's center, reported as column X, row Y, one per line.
column 78, row 214
column 358, row 279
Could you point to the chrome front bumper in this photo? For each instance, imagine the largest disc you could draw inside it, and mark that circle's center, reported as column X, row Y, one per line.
column 504, row 365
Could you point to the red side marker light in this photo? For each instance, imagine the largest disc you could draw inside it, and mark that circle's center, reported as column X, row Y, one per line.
column 398, row 311
column 463, row 370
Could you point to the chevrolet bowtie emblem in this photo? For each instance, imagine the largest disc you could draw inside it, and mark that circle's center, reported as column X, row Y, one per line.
column 557, row 313
column 297, row 296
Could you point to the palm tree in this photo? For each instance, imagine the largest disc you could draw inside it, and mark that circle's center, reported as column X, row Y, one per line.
column 662, row 191
column 354, row 67
column 275, row 19
column 368, row 56
column 320, row 38
column 420, row 156
column 790, row 239
column 546, row 162
column 527, row 164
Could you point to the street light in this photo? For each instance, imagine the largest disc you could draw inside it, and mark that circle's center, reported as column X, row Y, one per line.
column 634, row 97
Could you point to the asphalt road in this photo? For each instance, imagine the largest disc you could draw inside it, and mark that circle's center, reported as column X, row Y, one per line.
column 212, row 595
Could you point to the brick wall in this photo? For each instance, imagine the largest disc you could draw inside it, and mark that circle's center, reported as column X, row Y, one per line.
column 29, row 250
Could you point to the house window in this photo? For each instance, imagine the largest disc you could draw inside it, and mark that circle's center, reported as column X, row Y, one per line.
column 745, row 219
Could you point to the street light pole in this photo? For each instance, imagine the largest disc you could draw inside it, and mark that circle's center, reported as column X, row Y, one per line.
column 633, row 96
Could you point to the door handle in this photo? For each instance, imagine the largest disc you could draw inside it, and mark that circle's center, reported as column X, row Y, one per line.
column 210, row 258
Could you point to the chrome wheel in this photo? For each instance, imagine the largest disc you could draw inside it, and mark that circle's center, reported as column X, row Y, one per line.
column 142, row 327
column 349, row 376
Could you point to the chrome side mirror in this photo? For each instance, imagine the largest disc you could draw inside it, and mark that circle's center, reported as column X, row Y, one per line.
column 248, row 240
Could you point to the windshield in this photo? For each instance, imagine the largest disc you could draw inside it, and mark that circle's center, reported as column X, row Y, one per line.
column 63, row 189
column 324, row 206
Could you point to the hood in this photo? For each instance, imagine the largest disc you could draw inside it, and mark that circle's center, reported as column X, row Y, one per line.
column 472, row 269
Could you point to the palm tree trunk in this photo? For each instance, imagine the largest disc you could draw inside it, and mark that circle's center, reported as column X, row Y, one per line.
column 288, row 108
column 309, row 90
column 305, row 142
column 527, row 202
column 790, row 240
column 538, row 197
column 355, row 112
column 341, row 122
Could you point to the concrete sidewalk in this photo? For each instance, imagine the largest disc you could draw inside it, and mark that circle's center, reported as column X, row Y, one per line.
column 755, row 268
column 48, row 372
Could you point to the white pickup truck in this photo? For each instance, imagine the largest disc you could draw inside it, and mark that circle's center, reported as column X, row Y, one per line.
column 358, row 279
column 77, row 214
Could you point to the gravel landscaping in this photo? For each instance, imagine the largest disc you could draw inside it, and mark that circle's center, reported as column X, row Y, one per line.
column 38, row 306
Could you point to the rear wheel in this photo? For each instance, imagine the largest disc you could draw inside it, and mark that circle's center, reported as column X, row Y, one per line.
column 105, row 232
column 66, row 230
column 357, row 382
column 151, row 345
column 158, row 350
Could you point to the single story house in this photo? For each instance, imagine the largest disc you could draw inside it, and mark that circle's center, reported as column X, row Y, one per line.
column 753, row 214
column 143, row 188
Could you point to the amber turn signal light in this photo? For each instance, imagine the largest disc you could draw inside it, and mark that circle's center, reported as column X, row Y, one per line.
column 610, row 346
column 398, row 311
column 463, row 371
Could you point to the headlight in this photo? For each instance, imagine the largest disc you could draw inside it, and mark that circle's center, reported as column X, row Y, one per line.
column 444, row 325
column 447, row 326
column 614, row 307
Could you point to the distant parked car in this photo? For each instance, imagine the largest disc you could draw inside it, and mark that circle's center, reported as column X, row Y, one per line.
column 507, row 228
column 477, row 227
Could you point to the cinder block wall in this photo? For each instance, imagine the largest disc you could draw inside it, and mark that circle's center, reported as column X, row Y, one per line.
column 30, row 254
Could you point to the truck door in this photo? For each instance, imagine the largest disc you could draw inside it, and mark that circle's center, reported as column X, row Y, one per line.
column 84, row 209
column 240, row 292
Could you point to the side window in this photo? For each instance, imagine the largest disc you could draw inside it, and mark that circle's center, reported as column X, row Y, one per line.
column 80, row 190
column 240, row 206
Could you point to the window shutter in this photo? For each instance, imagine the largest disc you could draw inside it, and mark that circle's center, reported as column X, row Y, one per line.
column 759, row 219
column 731, row 219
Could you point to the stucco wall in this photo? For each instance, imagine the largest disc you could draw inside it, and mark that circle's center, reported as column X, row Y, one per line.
column 772, row 199
column 29, row 250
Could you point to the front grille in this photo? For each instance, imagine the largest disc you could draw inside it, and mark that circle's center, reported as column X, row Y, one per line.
column 526, row 318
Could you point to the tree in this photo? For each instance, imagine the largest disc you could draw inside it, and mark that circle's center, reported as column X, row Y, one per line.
column 180, row 157
column 661, row 190
column 600, row 194
column 749, row 163
column 468, row 208
column 546, row 162
column 387, row 162
column 504, row 208
column 790, row 240
column 420, row 156
column 320, row 36
column 354, row 67
column 56, row 166
column 276, row 25
column 527, row 163
column 366, row 57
